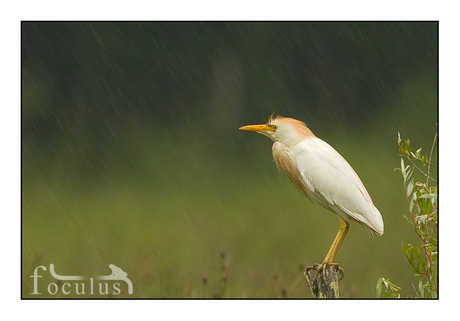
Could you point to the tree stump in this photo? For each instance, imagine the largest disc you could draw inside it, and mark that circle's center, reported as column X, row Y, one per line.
column 324, row 282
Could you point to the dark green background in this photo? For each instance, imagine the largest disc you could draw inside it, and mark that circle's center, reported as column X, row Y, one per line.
column 131, row 153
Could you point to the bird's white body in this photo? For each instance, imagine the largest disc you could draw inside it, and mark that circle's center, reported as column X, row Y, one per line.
column 325, row 177
column 320, row 172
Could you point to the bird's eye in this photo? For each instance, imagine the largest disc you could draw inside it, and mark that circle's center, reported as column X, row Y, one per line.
column 274, row 127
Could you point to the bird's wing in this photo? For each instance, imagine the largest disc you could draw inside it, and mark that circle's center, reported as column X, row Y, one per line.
column 329, row 180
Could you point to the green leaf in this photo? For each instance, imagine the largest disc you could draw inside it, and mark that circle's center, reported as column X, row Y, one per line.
column 429, row 196
column 409, row 172
column 408, row 220
column 403, row 170
column 410, row 187
column 412, row 202
column 403, row 246
column 421, row 288
column 379, row 287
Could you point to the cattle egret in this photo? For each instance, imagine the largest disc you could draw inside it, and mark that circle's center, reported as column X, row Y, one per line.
column 321, row 174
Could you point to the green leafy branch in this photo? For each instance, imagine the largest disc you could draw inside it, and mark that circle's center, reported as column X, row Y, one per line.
column 388, row 285
column 406, row 151
column 422, row 199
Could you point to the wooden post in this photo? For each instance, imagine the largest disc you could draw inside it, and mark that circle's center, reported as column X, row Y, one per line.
column 324, row 283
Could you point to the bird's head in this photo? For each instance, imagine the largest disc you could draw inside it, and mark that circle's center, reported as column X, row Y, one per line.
column 288, row 131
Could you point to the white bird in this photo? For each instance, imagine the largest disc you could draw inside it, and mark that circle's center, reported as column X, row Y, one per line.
column 322, row 175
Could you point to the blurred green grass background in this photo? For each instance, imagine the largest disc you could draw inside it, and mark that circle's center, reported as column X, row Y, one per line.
column 191, row 207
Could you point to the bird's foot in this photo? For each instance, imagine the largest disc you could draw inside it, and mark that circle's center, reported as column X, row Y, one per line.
column 321, row 268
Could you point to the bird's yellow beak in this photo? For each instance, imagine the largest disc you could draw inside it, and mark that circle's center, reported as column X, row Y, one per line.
column 256, row 128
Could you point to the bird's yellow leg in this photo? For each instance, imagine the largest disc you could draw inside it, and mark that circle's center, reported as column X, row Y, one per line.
column 332, row 253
